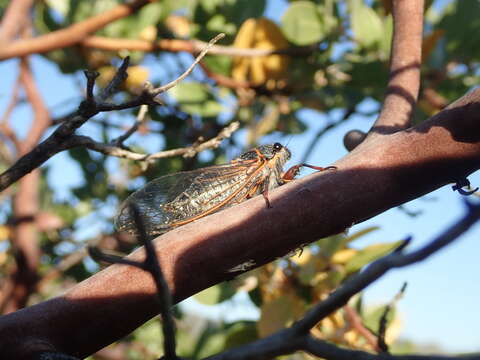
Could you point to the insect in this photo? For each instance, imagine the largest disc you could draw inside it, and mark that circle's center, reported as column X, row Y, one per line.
column 176, row 199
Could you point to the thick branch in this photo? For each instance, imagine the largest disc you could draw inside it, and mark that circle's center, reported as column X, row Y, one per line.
column 405, row 61
column 384, row 172
column 70, row 35
column 297, row 336
column 406, row 57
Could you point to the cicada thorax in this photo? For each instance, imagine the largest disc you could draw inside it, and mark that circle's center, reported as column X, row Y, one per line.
column 176, row 199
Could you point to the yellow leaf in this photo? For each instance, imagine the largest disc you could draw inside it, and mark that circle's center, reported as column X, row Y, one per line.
column 3, row 258
column 106, row 74
column 137, row 75
column 178, row 25
column 343, row 256
column 260, row 34
column 4, row 232
column 279, row 313
column 149, row 33
column 302, row 258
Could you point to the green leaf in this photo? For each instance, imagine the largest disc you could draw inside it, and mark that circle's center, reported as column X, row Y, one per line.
column 194, row 98
column 372, row 317
column 366, row 24
column 360, row 233
column 218, row 64
column 302, row 23
column 329, row 245
column 241, row 333
column 386, row 41
column 189, row 92
column 369, row 254
column 215, row 294
column 43, row 20
column 460, row 23
column 152, row 14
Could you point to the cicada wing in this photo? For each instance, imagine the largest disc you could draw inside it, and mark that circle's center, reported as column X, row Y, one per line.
column 181, row 196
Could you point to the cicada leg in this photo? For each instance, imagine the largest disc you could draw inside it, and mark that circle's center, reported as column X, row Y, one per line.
column 291, row 173
column 264, row 186
column 265, row 193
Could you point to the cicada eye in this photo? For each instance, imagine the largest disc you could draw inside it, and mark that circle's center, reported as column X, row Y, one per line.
column 277, row 147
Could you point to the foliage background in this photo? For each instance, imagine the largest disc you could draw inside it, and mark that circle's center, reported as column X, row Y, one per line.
column 80, row 190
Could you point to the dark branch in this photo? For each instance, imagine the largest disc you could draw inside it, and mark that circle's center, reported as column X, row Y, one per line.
column 151, row 265
column 59, row 140
column 117, row 80
column 377, row 269
column 382, row 327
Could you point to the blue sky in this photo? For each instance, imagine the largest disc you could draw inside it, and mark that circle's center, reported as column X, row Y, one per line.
column 441, row 302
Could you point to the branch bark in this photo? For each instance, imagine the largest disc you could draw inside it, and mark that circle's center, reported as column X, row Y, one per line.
column 25, row 202
column 406, row 58
column 70, row 35
column 382, row 173
column 13, row 18
column 402, row 89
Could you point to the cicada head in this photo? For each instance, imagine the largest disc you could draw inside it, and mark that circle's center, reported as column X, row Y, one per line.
column 276, row 155
column 270, row 151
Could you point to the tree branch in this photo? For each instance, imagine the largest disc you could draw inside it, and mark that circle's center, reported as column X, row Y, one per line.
column 382, row 173
column 191, row 46
column 12, row 20
column 406, row 58
column 151, row 265
column 297, row 337
column 70, row 35
column 114, row 150
column 62, row 139
column 404, row 83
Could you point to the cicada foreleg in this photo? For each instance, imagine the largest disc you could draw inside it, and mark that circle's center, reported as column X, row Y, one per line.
column 291, row 173
column 265, row 191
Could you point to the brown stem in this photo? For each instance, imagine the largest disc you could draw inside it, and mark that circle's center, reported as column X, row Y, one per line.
column 70, row 35
column 25, row 242
column 404, row 82
column 355, row 322
column 41, row 119
column 13, row 18
column 25, row 202
column 191, row 46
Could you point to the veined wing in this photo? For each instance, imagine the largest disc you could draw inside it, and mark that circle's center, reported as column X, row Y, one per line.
column 181, row 197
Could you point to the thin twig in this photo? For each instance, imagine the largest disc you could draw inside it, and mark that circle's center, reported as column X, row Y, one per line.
column 173, row 83
column 377, row 269
column 62, row 138
column 189, row 151
column 382, row 327
column 119, row 77
column 355, row 322
column 142, row 112
column 91, row 76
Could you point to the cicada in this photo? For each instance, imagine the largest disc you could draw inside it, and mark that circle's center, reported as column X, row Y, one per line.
column 176, row 199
